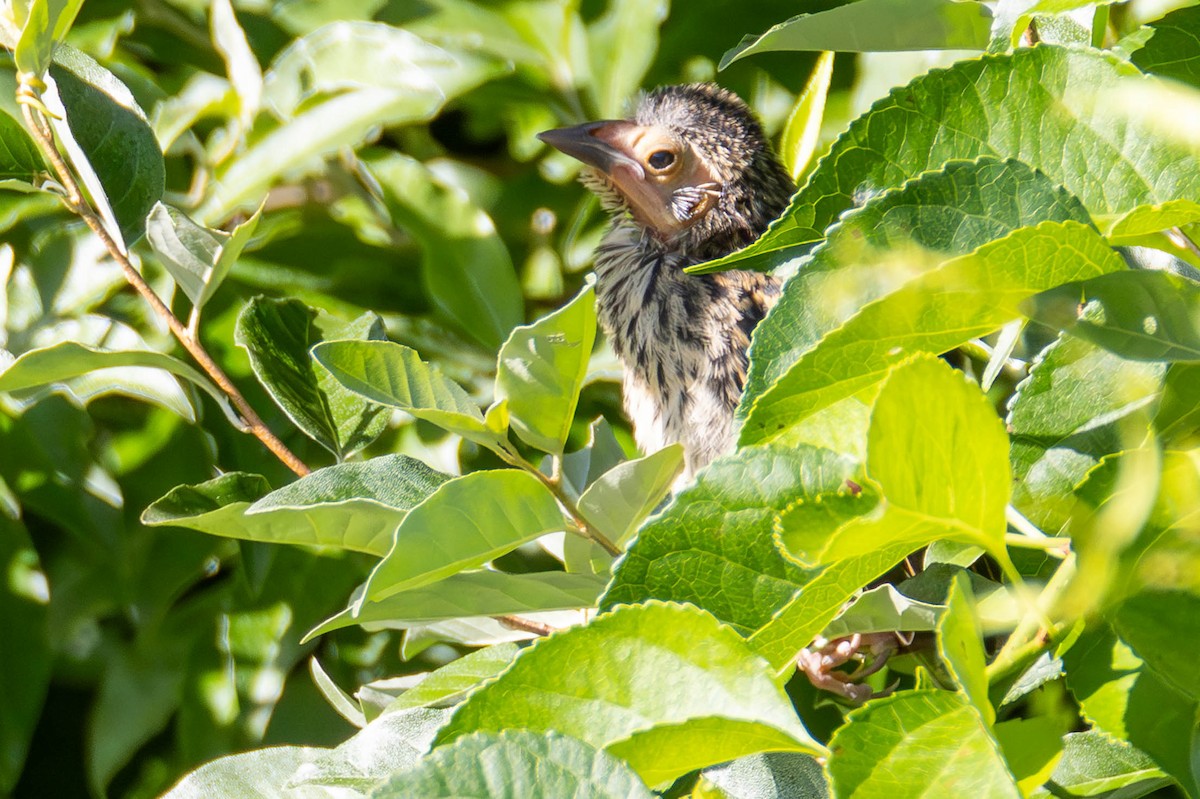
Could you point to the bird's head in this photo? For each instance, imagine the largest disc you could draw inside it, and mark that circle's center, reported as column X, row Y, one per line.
column 692, row 167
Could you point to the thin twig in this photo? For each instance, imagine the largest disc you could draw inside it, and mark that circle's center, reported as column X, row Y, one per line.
column 1054, row 547
column 525, row 625
column 254, row 425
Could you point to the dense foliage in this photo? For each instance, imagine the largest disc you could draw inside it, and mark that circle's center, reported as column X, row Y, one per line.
column 436, row 566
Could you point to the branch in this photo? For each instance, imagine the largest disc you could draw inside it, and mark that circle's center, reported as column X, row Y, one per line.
column 554, row 484
column 1033, row 635
column 31, row 105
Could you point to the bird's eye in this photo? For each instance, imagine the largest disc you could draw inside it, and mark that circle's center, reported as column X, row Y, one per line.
column 661, row 159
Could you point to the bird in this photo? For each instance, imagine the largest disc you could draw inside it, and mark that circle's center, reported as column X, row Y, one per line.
column 690, row 176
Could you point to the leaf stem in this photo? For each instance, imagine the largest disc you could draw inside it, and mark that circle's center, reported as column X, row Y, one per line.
column 1054, row 547
column 28, row 98
column 554, row 484
column 1034, row 633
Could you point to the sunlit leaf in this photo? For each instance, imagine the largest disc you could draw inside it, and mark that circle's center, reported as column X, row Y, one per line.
column 1078, row 404
column 516, row 764
column 936, row 734
column 390, row 743
column 960, row 643
column 1113, row 685
column 803, row 127
column 541, row 370
column 452, row 681
column 982, row 107
column 278, row 335
column 1137, row 314
column 964, row 298
column 875, row 250
column 414, row 79
column 473, row 593
column 394, row 375
column 931, row 487
column 1094, row 764
column 712, row 547
column 351, row 505
column 465, row 523
column 262, row 774
column 198, row 258
column 726, row 706
column 876, row 26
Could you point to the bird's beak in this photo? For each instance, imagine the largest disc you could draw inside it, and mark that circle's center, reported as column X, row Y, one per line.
column 608, row 147
column 597, row 144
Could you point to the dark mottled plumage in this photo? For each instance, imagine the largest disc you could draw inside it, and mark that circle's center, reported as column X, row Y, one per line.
column 682, row 338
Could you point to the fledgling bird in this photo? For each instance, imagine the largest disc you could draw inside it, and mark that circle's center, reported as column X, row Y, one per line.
column 689, row 178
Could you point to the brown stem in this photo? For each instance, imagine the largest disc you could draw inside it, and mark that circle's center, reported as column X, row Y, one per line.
column 525, row 625
column 78, row 205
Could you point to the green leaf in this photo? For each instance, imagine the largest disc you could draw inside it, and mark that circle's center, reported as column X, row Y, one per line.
column 933, row 488
column 541, row 369
column 869, row 254
column 1095, row 765
column 619, row 500
column 1147, row 219
column 350, row 505
column 773, row 775
column 1172, row 51
column 598, row 456
column 465, row 265
column 90, row 372
column 938, row 735
column 1032, row 748
column 962, row 299
column 960, row 644
column 390, row 743
column 46, row 24
column 803, row 128
column 198, row 259
column 394, row 375
column 449, row 684
column 1162, row 555
column 20, row 160
column 876, row 26
column 621, row 45
column 722, row 702
column 465, row 523
column 1121, row 697
column 103, row 128
column 278, row 335
column 516, row 764
column 260, row 774
column 712, row 545
column 982, row 107
column 332, row 693
column 1138, row 314
column 1154, row 623
column 883, row 609
column 1078, row 404
column 326, row 108
column 202, row 96
column 1178, row 414
column 245, row 74
column 26, row 657
column 467, row 594
column 817, row 604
